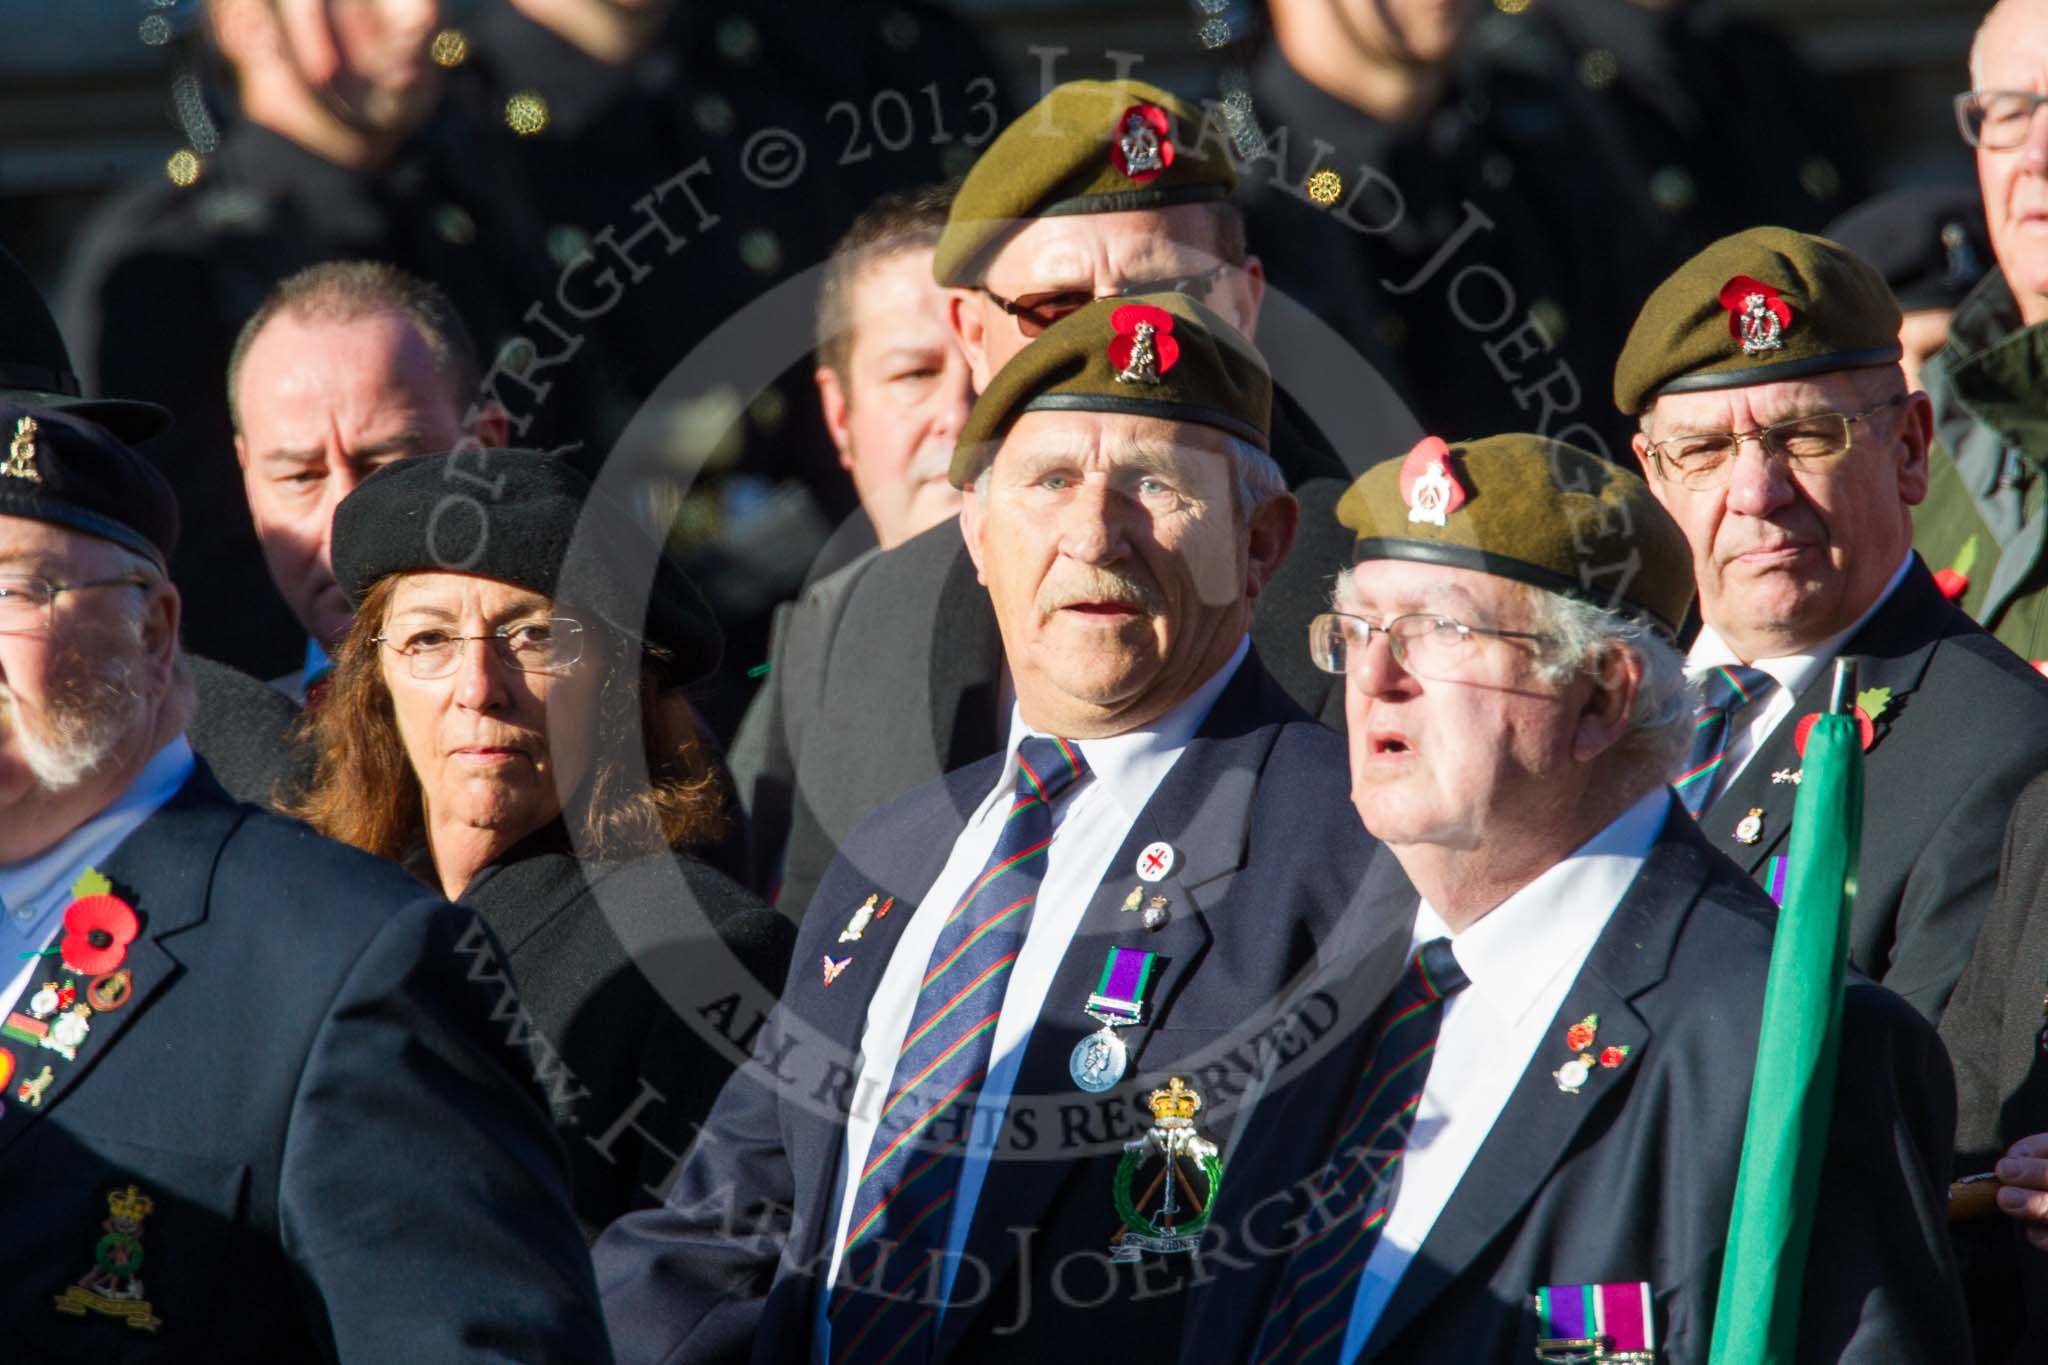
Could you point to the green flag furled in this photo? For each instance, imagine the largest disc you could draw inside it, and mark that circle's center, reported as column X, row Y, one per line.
column 1792, row 1097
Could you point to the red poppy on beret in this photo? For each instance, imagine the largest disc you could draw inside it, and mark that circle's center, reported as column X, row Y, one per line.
column 1735, row 297
column 1126, row 320
column 1148, row 116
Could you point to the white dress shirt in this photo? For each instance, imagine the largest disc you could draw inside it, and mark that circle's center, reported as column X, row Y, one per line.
column 1522, row 958
column 1791, row 674
column 35, row 889
column 1091, row 821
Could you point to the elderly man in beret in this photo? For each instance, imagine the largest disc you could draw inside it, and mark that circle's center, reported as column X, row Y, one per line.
column 1777, row 430
column 1534, row 1141
column 255, row 1107
column 1102, row 188
column 1019, row 993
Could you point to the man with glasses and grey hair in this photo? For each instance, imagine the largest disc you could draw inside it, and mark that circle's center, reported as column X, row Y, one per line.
column 1777, row 429
column 1534, row 1141
column 1982, row 519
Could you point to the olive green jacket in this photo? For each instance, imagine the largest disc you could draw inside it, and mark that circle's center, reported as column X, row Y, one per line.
column 1984, row 520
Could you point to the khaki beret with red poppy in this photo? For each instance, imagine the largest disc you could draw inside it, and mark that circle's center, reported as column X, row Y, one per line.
column 1149, row 355
column 1087, row 147
column 1531, row 509
column 1761, row 306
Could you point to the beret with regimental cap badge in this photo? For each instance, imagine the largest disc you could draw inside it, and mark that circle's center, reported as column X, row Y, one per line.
column 1087, row 147
column 529, row 519
column 1765, row 305
column 1149, row 355
column 61, row 469
column 1531, row 509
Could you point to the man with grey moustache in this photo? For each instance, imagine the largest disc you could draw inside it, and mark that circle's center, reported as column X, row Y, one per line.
column 1038, row 952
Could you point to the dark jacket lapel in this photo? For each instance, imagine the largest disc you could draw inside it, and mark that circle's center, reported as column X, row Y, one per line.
column 1891, row 651
column 164, row 870
column 829, row 1018
column 1202, row 809
column 1537, row 1127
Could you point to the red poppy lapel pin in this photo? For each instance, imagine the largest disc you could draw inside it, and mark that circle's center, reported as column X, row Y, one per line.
column 1580, row 1037
column 98, row 927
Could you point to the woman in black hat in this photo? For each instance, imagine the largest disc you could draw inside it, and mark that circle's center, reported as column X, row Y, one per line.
column 507, row 723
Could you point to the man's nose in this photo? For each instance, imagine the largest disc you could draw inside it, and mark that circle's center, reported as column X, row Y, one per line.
column 1094, row 525
column 1758, row 482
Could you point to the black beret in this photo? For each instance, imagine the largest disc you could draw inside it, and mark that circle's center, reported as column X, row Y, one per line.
column 514, row 515
column 1929, row 242
column 74, row 473
column 35, row 368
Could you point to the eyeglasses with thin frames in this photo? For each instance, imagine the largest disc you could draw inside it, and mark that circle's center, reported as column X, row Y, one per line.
column 552, row 646
column 27, row 603
column 1440, row 648
column 1813, row 443
column 1036, row 312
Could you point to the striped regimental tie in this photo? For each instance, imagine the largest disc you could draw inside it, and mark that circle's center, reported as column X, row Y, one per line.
column 884, row 1303
column 1307, row 1326
column 1724, row 691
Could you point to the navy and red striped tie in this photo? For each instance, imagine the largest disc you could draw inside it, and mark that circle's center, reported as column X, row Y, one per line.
column 1307, row 1326
column 885, row 1299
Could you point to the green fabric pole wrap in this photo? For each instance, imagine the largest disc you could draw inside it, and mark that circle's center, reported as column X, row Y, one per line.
column 1791, row 1099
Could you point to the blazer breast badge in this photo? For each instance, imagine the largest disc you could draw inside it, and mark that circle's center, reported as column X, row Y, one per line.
column 1168, row 1217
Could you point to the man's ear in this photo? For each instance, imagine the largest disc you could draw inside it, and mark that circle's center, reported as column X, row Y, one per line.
column 964, row 316
column 1251, row 280
column 160, row 617
column 1604, row 722
column 832, row 398
column 972, row 524
column 1269, row 538
column 244, row 31
column 493, row 425
column 241, row 452
column 1640, row 444
column 1916, row 434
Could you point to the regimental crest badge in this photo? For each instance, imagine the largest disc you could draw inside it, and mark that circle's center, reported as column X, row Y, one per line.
column 1428, row 486
column 1757, row 315
column 21, row 453
column 1166, row 1180
column 113, row 1287
column 1143, row 348
column 1142, row 149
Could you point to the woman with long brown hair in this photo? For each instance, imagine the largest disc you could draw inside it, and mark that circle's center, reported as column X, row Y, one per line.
column 506, row 723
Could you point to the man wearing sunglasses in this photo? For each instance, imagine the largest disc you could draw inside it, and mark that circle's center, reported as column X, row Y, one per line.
column 1777, row 429
column 1101, row 189
column 1983, row 517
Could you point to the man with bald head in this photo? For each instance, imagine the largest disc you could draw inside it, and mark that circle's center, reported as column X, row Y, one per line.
column 344, row 368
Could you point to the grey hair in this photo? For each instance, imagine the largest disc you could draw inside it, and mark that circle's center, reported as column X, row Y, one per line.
column 1660, row 726
column 1256, row 478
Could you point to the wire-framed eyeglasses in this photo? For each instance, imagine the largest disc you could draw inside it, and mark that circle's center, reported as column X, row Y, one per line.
column 551, row 646
column 1036, row 312
column 1440, row 648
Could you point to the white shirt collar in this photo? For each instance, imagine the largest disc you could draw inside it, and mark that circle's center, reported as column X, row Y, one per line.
column 1794, row 671
column 1517, row 948
column 36, row 881
column 1132, row 764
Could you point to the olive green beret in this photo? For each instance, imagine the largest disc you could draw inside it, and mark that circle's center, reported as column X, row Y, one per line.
column 1531, row 509
column 1149, row 355
column 1755, row 308
column 1087, row 147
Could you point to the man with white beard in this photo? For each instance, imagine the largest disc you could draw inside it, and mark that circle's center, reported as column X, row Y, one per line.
column 227, row 1041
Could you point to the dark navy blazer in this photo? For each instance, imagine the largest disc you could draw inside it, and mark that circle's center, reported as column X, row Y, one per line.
column 344, row 1159
column 1269, row 855
column 1632, row 1177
